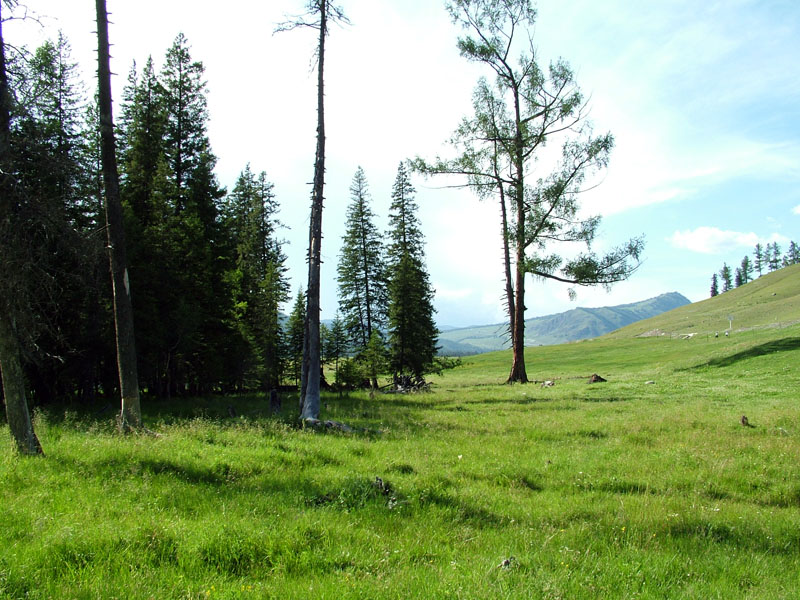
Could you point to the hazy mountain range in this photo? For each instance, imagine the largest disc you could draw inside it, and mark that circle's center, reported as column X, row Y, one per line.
column 569, row 326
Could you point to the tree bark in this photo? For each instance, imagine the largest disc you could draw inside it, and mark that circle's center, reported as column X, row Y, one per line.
column 19, row 419
column 518, row 373
column 130, row 416
column 312, row 363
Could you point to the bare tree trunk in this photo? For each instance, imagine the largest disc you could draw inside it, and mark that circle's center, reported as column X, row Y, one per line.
column 518, row 373
column 19, row 419
column 507, row 265
column 311, row 399
column 130, row 416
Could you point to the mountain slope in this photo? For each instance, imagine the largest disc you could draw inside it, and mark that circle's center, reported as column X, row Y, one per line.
column 772, row 299
column 575, row 324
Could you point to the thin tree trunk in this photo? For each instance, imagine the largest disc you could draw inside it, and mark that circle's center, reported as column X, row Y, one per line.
column 518, row 372
column 507, row 265
column 130, row 416
column 19, row 419
column 311, row 398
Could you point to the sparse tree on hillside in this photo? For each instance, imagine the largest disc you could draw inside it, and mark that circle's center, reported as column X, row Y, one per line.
column 747, row 270
column 759, row 259
column 774, row 256
column 793, row 254
column 714, row 285
column 738, row 278
column 318, row 15
column 514, row 118
column 726, row 277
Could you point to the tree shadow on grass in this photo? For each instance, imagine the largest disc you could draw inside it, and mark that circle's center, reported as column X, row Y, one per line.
column 782, row 345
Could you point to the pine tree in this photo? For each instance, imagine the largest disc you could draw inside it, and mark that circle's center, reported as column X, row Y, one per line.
column 725, row 276
column 295, row 335
column 747, row 270
column 179, row 254
column 335, row 345
column 260, row 274
column 774, row 256
column 759, row 259
column 714, row 285
column 412, row 331
column 738, row 277
column 793, row 254
column 361, row 272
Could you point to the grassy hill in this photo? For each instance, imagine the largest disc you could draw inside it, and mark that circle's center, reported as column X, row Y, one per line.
column 771, row 300
column 572, row 325
column 645, row 486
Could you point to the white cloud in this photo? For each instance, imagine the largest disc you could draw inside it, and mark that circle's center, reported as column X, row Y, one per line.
column 796, row 210
column 711, row 240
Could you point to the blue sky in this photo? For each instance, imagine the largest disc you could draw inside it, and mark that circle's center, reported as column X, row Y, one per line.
column 703, row 100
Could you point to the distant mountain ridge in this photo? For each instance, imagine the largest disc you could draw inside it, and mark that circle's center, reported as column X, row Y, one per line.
column 572, row 325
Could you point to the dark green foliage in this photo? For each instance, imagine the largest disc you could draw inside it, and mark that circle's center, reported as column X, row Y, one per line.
column 258, row 279
column 180, row 253
column 792, row 255
column 725, row 277
column 714, row 285
column 52, row 253
column 295, row 334
column 774, row 256
column 747, row 270
column 412, row 330
column 759, row 259
column 361, row 272
column 335, row 345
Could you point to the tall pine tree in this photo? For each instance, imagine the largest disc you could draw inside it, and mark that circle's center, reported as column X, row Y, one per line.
column 259, row 277
column 412, row 331
column 361, row 272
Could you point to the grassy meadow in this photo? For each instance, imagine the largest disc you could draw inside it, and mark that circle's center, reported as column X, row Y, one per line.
column 645, row 486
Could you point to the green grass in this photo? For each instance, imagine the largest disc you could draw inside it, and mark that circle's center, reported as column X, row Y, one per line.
column 623, row 489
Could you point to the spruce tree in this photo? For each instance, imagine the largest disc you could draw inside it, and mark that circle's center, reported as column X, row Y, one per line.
column 714, row 285
column 774, row 256
column 259, row 276
column 361, row 272
column 738, row 277
column 412, row 331
column 793, row 254
column 759, row 260
column 725, row 276
column 747, row 270
column 295, row 335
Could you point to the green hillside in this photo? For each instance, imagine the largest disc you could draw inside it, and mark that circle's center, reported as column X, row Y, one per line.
column 572, row 325
column 772, row 300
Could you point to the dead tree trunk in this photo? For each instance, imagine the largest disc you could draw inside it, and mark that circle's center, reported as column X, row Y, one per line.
column 311, row 397
column 130, row 416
